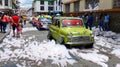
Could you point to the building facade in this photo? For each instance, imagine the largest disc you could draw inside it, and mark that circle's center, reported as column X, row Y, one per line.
column 8, row 5
column 80, row 7
column 89, row 5
column 46, row 6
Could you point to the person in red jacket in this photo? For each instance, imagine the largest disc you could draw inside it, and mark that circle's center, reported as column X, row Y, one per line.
column 15, row 21
column 5, row 21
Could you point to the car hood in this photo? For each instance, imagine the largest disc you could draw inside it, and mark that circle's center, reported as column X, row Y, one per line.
column 77, row 30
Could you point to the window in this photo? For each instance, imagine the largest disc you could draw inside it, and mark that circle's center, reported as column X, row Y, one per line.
column 50, row 8
column 116, row 4
column 42, row 2
column 6, row 2
column 51, row 3
column 0, row 2
column 67, row 8
column 91, row 4
column 42, row 8
column 76, row 6
column 72, row 22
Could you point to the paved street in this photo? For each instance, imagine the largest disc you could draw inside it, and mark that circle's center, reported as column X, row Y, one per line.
column 40, row 36
column 73, row 22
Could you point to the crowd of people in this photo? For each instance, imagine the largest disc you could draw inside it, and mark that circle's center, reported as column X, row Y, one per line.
column 102, row 21
column 15, row 21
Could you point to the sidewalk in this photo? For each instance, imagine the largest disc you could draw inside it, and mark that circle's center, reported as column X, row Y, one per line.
column 3, row 35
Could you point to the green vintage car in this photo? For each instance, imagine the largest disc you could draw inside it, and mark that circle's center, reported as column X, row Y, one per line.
column 70, row 31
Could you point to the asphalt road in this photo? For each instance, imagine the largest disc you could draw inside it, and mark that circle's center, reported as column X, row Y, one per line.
column 42, row 35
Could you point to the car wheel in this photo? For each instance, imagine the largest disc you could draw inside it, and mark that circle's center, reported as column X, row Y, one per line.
column 38, row 27
column 49, row 36
column 68, row 46
column 61, row 40
column 89, row 46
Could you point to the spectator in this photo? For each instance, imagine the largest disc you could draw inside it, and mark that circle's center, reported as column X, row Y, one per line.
column 106, row 22
column 86, row 17
column 21, row 24
column 15, row 20
column 90, row 21
column 101, row 22
column 24, row 18
column 1, row 21
column 5, row 20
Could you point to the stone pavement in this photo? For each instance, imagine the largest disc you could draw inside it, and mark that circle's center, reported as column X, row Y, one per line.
column 3, row 35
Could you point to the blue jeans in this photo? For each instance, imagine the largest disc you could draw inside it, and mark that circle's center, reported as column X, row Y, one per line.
column 1, row 26
column 106, row 27
column 4, row 26
column 101, row 26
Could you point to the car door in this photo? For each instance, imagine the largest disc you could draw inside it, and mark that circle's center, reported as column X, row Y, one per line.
column 57, row 33
column 53, row 28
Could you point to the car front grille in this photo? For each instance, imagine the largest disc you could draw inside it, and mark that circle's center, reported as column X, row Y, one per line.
column 81, row 38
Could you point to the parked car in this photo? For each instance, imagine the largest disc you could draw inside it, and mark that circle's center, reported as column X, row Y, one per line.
column 43, row 23
column 70, row 31
column 34, row 21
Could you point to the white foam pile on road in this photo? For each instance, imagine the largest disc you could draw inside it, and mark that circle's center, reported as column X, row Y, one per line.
column 16, row 49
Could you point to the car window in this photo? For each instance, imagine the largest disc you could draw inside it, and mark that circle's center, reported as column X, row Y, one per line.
column 72, row 22
column 58, row 23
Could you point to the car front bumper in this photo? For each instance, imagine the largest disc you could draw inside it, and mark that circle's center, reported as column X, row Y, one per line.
column 80, row 40
column 89, row 42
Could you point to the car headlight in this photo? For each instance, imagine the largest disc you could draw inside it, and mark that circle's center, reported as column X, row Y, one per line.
column 92, row 34
column 85, row 32
column 70, row 35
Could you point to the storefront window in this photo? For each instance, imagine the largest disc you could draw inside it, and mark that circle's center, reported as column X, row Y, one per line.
column 0, row 2
column 67, row 8
column 50, row 8
column 42, row 8
column 42, row 2
column 91, row 4
column 76, row 6
column 116, row 4
column 6, row 2
column 51, row 3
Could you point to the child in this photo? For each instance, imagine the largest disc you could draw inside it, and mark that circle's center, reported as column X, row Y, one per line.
column 19, row 29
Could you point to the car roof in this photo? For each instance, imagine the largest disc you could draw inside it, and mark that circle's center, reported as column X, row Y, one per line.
column 67, row 18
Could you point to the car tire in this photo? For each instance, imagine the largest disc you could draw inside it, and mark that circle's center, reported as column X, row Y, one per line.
column 89, row 46
column 68, row 46
column 49, row 36
column 60, row 40
column 37, row 27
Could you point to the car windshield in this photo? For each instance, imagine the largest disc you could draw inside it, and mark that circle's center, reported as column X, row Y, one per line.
column 73, row 22
column 45, row 19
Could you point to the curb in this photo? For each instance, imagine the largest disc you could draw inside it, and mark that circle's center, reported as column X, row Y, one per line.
column 1, row 38
column 5, row 34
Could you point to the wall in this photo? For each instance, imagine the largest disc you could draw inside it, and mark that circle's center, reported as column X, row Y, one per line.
column 82, row 5
column 105, row 4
